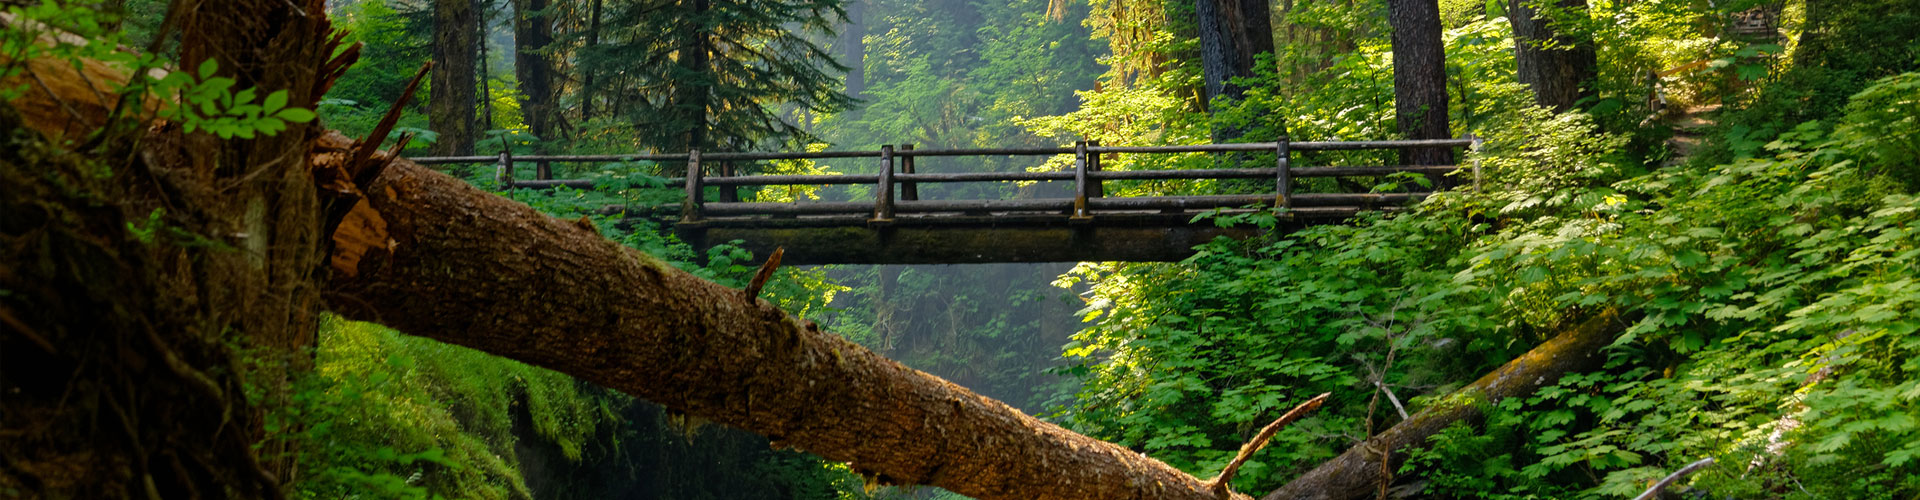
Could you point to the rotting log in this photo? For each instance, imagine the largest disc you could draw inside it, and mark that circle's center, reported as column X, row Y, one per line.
column 1358, row 472
column 435, row 257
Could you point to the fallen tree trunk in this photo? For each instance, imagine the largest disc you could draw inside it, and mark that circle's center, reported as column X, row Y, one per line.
column 1359, row 471
column 429, row 255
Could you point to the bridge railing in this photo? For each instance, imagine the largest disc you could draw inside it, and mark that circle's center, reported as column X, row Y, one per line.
column 897, row 181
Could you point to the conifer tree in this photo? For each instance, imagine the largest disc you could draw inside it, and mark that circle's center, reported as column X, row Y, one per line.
column 712, row 75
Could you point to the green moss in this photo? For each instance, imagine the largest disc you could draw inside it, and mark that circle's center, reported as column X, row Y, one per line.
column 416, row 418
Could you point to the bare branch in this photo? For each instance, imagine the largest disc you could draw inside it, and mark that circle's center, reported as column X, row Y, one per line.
column 1390, row 398
column 1219, row 483
column 1675, row 476
column 766, row 271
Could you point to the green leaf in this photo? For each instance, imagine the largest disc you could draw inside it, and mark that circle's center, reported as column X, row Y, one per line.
column 275, row 101
column 246, row 110
column 207, row 68
column 295, row 115
column 270, row 125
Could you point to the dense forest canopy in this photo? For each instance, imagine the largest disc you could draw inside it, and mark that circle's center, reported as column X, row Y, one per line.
column 1694, row 235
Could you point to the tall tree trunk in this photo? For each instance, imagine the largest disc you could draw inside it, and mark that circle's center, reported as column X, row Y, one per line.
column 1419, row 78
column 587, row 83
column 451, row 105
column 694, row 88
column 854, row 45
column 1231, row 32
column 485, row 75
column 1560, row 68
column 137, row 278
column 533, row 31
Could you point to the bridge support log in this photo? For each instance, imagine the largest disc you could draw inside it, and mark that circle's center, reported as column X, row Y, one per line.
column 454, row 263
column 900, row 244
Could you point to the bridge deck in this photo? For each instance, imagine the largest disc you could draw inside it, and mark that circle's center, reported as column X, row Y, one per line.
column 900, row 228
column 983, row 238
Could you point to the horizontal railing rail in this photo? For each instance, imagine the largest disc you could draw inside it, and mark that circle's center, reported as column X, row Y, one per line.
column 896, row 184
column 1042, row 151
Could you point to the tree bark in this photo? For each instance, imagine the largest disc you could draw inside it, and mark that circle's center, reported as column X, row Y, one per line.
column 533, row 32
column 1560, row 68
column 693, row 87
column 136, row 278
column 1357, row 473
column 1419, row 78
column 587, row 83
column 457, row 264
column 480, row 29
column 452, row 102
column 1231, row 32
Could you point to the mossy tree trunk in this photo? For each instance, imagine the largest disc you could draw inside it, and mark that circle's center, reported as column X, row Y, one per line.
column 1361, row 471
column 453, row 98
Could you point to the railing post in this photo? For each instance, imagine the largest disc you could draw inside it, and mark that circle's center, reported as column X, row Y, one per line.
column 909, row 191
column 1098, row 189
column 883, row 197
column 1080, row 181
column 503, row 171
column 1283, row 170
column 1474, row 149
column 728, row 194
column 543, row 171
column 690, row 208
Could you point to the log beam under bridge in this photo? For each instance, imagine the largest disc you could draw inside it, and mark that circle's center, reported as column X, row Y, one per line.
column 980, row 239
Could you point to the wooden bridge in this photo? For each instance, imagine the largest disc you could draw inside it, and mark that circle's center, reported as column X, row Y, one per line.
column 899, row 227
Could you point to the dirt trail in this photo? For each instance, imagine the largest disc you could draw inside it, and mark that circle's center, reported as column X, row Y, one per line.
column 1689, row 132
